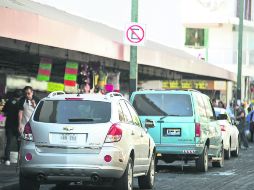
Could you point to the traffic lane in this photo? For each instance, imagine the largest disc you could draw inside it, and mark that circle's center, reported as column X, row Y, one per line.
column 238, row 173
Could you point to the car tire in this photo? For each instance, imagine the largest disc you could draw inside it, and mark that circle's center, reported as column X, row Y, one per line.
column 28, row 183
column 235, row 153
column 126, row 181
column 147, row 181
column 219, row 164
column 202, row 161
column 227, row 153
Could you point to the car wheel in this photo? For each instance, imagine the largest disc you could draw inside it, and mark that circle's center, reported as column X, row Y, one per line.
column 220, row 163
column 202, row 161
column 147, row 181
column 235, row 153
column 228, row 152
column 28, row 183
column 126, row 181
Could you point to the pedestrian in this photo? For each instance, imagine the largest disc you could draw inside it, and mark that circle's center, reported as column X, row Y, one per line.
column 221, row 104
column 11, row 111
column 250, row 122
column 240, row 117
column 26, row 107
column 214, row 102
column 230, row 111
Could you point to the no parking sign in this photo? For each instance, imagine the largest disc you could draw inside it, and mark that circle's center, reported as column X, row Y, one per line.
column 134, row 34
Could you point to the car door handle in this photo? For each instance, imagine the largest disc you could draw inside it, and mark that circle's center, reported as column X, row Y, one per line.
column 141, row 135
column 132, row 133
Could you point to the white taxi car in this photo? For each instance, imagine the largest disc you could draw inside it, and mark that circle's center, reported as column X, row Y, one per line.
column 230, row 133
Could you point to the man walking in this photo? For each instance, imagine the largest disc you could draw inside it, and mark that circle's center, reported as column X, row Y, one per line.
column 26, row 107
column 11, row 110
column 250, row 122
column 240, row 116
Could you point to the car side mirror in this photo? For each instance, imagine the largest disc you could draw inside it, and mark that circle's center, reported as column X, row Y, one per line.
column 149, row 123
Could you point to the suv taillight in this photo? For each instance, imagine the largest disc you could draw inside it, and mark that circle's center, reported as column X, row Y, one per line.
column 197, row 130
column 28, row 132
column 114, row 134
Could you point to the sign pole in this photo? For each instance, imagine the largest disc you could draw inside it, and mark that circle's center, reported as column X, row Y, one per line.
column 133, row 51
column 240, row 42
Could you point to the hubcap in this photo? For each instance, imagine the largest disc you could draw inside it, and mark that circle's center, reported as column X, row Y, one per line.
column 130, row 177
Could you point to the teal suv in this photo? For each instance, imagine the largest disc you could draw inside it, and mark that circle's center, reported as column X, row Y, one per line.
column 185, row 126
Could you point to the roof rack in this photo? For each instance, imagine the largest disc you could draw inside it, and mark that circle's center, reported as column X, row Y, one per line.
column 112, row 94
column 55, row 93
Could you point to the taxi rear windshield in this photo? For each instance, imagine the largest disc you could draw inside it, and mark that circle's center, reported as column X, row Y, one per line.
column 66, row 112
column 163, row 105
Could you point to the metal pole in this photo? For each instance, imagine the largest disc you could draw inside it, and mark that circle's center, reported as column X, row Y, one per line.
column 240, row 43
column 133, row 51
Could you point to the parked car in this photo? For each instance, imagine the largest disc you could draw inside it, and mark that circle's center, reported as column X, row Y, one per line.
column 230, row 133
column 88, row 138
column 185, row 126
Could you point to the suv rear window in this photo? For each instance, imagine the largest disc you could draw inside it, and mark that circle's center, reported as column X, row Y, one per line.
column 163, row 104
column 78, row 111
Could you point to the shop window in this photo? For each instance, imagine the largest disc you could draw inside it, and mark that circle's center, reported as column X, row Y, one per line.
column 195, row 37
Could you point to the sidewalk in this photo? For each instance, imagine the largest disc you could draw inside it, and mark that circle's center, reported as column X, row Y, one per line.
column 8, row 175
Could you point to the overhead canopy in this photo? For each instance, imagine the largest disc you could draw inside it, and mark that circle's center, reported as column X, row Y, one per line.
column 33, row 22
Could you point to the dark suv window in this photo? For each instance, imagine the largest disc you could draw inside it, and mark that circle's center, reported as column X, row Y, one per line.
column 163, row 104
column 78, row 111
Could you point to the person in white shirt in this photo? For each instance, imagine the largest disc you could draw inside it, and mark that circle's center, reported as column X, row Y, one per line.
column 27, row 105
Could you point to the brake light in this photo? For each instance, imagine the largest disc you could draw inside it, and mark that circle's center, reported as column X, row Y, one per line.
column 114, row 134
column 222, row 128
column 197, row 130
column 28, row 135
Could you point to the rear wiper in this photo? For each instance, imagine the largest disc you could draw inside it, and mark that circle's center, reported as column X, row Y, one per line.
column 173, row 115
column 80, row 119
column 169, row 115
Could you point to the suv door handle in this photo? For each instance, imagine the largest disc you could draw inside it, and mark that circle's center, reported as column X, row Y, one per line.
column 141, row 135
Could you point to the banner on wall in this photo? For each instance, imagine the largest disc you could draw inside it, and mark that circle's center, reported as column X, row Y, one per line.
column 44, row 69
column 53, row 86
column 71, row 71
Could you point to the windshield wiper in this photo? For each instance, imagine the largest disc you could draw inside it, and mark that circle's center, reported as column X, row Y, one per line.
column 80, row 119
column 169, row 115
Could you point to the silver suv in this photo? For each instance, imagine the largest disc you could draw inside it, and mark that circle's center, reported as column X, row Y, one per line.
column 86, row 138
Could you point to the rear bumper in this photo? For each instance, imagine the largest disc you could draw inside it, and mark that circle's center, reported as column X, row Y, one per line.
column 186, row 149
column 72, row 167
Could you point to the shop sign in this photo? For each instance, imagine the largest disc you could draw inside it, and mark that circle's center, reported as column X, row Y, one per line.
column 53, row 86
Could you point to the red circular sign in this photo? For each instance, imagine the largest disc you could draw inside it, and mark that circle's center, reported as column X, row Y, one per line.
column 135, row 34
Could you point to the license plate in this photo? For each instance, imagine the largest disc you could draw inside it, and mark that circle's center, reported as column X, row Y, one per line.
column 68, row 138
column 172, row 132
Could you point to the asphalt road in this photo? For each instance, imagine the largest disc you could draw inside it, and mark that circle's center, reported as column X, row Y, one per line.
column 238, row 173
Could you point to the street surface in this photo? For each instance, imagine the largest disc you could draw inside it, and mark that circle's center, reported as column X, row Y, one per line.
column 238, row 173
